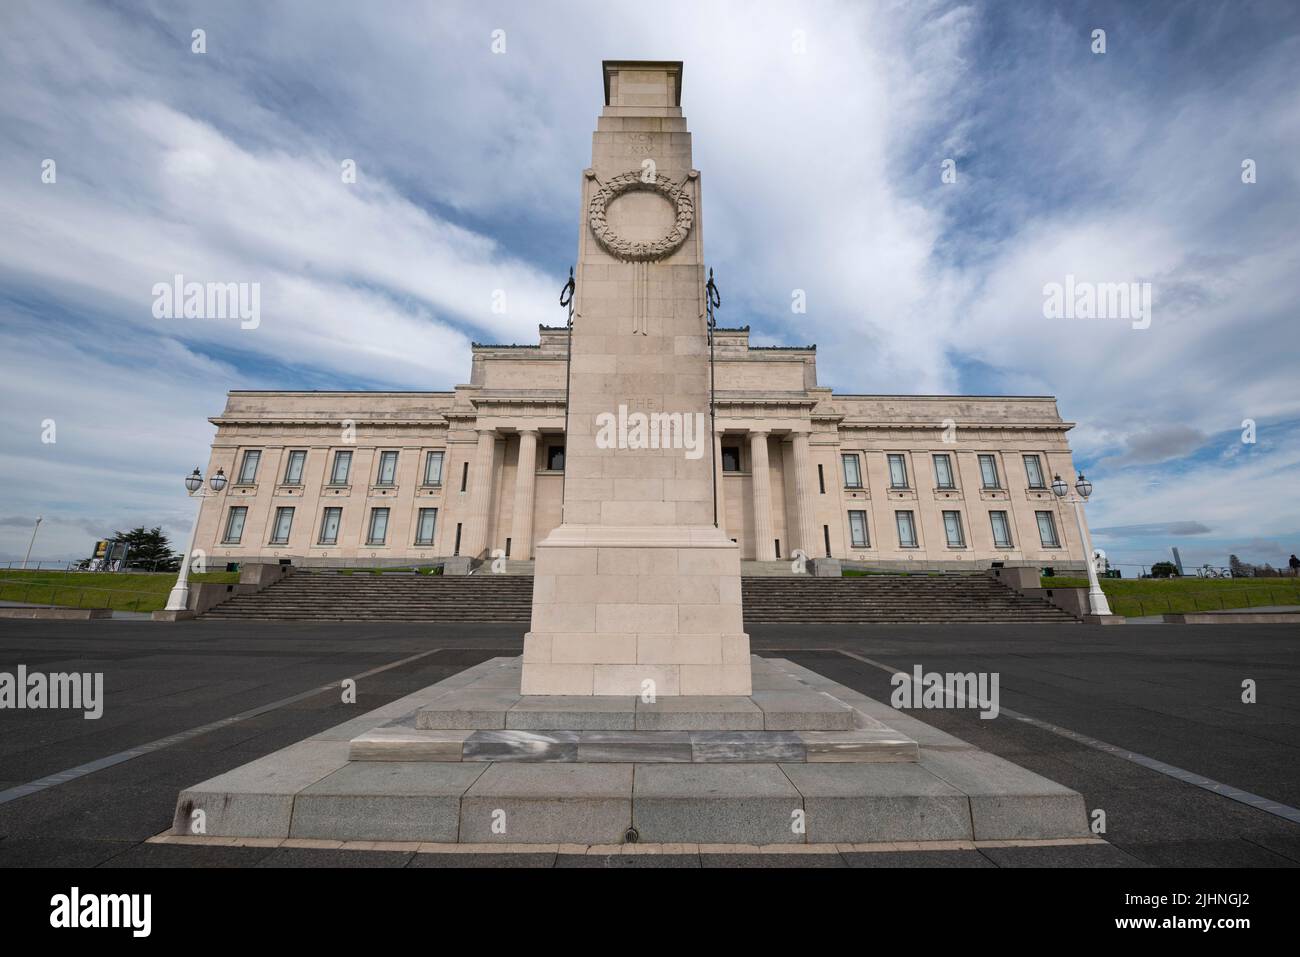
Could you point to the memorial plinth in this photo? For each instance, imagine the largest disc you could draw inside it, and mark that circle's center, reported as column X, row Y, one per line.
column 637, row 591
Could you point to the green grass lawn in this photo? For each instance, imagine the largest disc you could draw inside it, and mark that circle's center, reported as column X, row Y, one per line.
column 1157, row 596
column 121, row 591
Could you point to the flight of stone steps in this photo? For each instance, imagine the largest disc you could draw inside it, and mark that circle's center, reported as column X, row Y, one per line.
column 892, row 599
column 308, row 595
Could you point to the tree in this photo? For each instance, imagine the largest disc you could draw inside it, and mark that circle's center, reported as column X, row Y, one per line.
column 1239, row 568
column 1164, row 570
column 149, row 548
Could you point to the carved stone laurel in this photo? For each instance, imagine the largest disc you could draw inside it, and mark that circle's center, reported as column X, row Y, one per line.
column 625, row 249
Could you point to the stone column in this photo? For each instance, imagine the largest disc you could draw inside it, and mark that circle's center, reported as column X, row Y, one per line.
column 803, row 494
column 525, row 479
column 480, row 495
column 717, row 465
column 764, row 544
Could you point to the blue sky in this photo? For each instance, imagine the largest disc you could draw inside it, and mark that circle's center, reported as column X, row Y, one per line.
column 821, row 173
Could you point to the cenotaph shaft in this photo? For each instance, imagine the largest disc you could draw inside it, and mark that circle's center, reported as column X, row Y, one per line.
column 637, row 592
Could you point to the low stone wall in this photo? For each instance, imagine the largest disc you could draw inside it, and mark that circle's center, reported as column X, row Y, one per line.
column 58, row 614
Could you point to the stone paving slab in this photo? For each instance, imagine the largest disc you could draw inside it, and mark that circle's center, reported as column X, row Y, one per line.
column 715, row 803
column 804, row 710
column 858, row 746
column 573, row 713
column 865, row 803
column 746, row 747
column 699, row 713
column 408, row 744
column 471, row 707
column 673, row 747
column 385, row 801
column 1006, row 800
column 256, row 799
column 509, row 745
column 549, row 803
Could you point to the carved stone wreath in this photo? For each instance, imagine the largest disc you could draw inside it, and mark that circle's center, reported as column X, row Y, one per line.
column 625, row 249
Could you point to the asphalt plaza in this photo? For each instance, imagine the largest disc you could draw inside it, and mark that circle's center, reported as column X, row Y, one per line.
column 244, row 689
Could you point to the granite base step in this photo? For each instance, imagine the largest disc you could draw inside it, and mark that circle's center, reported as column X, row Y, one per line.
column 316, row 789
column 493, row 703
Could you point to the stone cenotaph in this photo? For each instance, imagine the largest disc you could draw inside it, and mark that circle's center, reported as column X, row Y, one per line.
column 637, row 591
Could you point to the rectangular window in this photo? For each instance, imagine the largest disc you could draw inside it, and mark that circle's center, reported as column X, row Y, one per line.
column 293, row 467
column 1001, row 530
column 425, row 526
column 456, row 550
column 731, row 458
column 952, row 529
column 821, row 479
column 826, row 539
column 342, row 467
column 329, row 526
column 378, row 533
column 387, row 469
column 852, row 470
column 989, row 471
column 464, row 478
column 248, row 468
column 283, row 523
column 906, row 529
column 897, row 471
column 857, row 531
column 943, row 471
column 555, row 458
column 235, row 524
column 1047, row 529
column 1034, row 472
column 433, row 468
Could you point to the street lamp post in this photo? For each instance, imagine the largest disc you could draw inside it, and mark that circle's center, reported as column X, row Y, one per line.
column 1097, row 603
column 37, row 528
column 179, row 598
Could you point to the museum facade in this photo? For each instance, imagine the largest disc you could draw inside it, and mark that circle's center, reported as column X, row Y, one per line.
column 383, row 478
column 480, row 471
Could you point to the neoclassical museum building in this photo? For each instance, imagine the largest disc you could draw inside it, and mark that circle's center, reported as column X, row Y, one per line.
column 478, row 471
